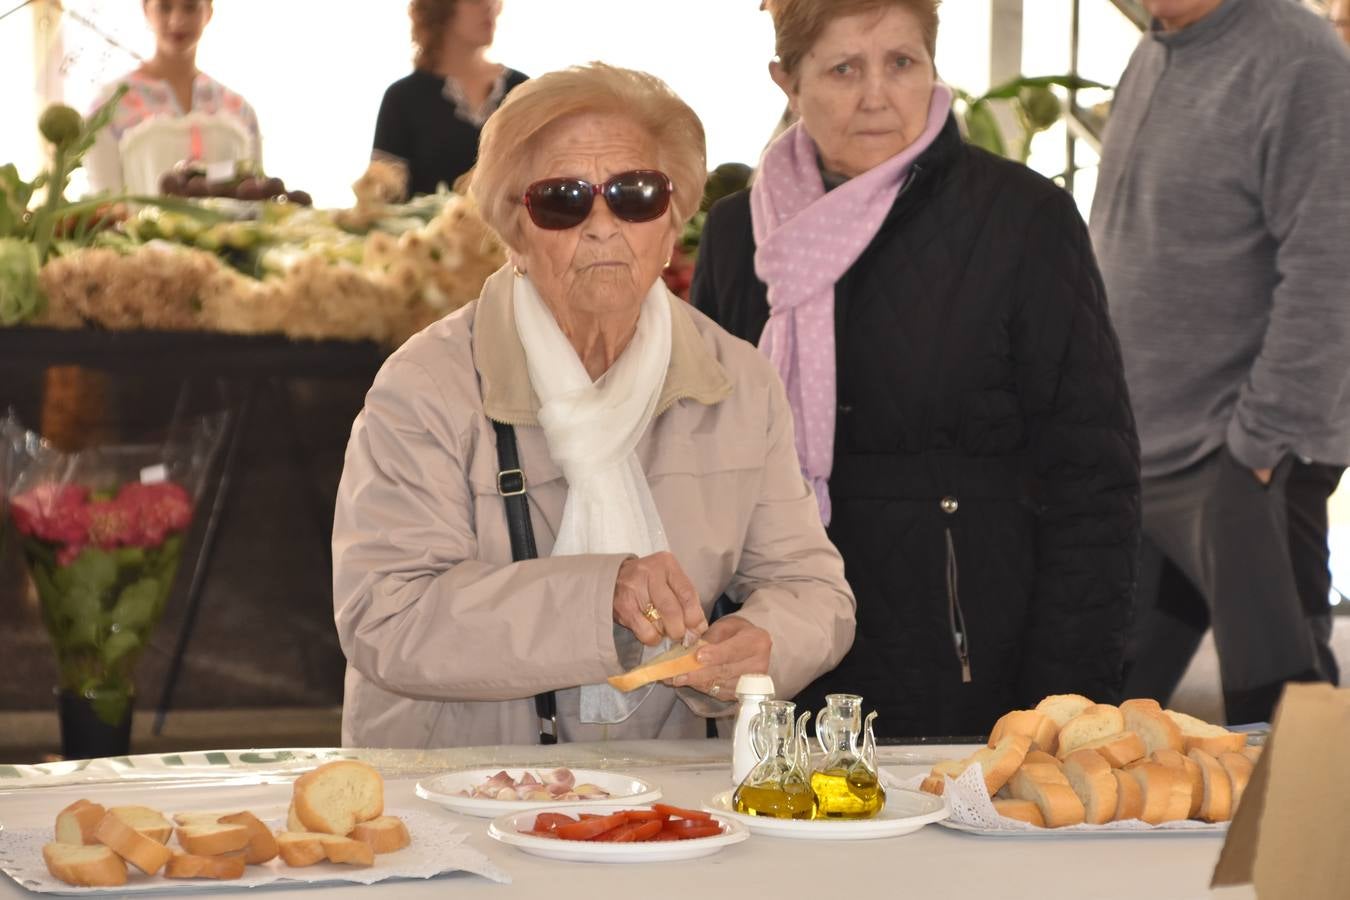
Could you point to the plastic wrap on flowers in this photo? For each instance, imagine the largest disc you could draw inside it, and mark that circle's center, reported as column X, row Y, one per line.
column 102, row 533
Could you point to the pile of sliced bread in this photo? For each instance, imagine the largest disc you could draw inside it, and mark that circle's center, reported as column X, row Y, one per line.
column 336, row 815
column 1070, row 761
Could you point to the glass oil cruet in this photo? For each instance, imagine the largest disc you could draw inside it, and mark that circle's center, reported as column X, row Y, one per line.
column 846, row 783
column 777, row 786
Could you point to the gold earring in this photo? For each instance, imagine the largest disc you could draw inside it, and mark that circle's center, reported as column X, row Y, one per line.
column 668, row 259
column 517, row 270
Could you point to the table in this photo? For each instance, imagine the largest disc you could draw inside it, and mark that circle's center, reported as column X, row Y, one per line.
column 932, row 864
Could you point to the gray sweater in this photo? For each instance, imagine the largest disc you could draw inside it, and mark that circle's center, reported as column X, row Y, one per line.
column 1222, row 226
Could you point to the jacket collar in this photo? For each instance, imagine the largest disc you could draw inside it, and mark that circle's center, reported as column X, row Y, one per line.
column 928, row 168
column 508, row 397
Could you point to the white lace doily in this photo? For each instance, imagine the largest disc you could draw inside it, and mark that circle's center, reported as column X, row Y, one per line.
column 436, row 848
column 973, row 810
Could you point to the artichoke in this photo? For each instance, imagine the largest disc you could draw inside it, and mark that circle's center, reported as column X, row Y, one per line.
column 61, row 125
column 20, row 297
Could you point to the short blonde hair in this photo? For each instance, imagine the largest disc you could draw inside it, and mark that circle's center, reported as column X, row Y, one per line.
column 510, row 142
column 797, row 24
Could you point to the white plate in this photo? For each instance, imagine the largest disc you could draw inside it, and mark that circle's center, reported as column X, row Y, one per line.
column 507, row 830
column 443, row 789
column 905, row 811
column 1168, row 829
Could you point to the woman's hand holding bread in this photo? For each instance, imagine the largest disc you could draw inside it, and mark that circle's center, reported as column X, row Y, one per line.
column 655, row 599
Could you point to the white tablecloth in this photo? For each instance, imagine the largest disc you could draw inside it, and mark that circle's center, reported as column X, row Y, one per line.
column 933, row 864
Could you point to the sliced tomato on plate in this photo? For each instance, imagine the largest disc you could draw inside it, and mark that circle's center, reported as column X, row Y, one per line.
column 589, row 829
column 679, row 813
column 684, row 829
column 549, row 821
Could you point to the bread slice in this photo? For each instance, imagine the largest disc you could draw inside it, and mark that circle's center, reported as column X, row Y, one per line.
column 84, row 865
column 262, row 844
column 1179, row 803
column 675, row 661
column 1129, row 796
column 188, row 865
column 76, row 823
column 213, row 840
column 337, row 795
column 1199, row 734
column 202, row 818
column 384, row 835
column 1239, row 769
column 301, row 848
column 1094, row 723
column 1157, row 730
column 1217, row 788
column 999, row 763
column 1252, row 752
column 1040, row 756
column 293, row 822
column 1118, row 749
column 1091, row 779
column 349, row 852
column 934, row 784
column 1142, row 703
column 1039, row 727
column 149, row 822
column 1060, row 708
column 1174, row 760
column 1058, row 804
column 146, row 854
column 1021, row 810
column 1156, row 783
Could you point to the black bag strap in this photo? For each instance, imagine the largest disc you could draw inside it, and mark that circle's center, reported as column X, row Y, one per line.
column 511, row 485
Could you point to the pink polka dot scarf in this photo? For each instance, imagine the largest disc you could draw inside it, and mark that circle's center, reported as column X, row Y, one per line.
column 806, row 240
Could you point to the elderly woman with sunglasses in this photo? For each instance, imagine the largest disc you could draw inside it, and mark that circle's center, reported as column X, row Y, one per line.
column 654, row 452
column 938, row 317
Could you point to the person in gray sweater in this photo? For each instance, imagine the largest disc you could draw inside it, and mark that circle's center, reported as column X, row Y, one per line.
column 1222, row 208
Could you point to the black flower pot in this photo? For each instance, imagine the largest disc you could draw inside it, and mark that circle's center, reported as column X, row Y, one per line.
column 94, row 725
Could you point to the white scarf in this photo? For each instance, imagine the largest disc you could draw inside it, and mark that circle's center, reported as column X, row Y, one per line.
column 592, row 429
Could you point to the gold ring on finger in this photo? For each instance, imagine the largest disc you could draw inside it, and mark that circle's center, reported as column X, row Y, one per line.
column 715, row 690
column 653, row 615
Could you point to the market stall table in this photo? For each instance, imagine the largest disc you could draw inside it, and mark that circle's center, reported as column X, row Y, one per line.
column 932, row 864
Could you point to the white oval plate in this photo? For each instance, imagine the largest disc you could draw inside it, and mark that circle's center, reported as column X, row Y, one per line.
column 507, row 830
column 443, row 790
column 905, row 811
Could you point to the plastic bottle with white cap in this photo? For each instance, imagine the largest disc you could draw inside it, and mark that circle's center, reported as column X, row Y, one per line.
column 751, row 691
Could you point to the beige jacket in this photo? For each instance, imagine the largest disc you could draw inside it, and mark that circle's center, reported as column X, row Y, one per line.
column 447, row 639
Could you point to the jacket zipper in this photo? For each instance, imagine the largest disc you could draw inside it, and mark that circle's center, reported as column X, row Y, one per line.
column 955, row 616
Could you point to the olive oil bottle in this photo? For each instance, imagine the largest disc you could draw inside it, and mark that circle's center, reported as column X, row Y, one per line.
column 777, row 787
column 846, row 784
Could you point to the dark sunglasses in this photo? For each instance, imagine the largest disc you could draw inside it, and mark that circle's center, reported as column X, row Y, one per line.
column 557, row 204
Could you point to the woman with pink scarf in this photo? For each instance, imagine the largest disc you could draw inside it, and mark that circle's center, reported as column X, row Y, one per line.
column 939, row 322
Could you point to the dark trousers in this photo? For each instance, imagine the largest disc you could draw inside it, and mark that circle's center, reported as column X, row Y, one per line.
column 1222, row 550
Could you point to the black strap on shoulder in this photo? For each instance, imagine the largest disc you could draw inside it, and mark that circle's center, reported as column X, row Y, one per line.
column 511, row 485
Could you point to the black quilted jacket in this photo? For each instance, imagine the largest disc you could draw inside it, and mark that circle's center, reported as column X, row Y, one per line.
column 986, row 473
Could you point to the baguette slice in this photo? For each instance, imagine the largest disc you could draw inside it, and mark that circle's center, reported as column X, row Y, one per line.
column 189, row 865
column 1060, row 708
column 1118, row 750
column 1142, row 703
column 1199, row 734
column 301, row 848
column 1179, row 804
column 84, row 865
column 201, row 818
column 1217, row 788
column 213, row 840
column 1157, row 730
column 333, row 798
column 1156, row 782
column 1239, row 769
column 76, row 823
column 1091, row 779
column 293, row 822
column 675, row 661
column 1040, row 728
column 1021, row 810
column 262, row 844
column 144, row 853
column 149, row 822
column 1094, row 723
column 344, row 850
column 999, row 764
column 1058, row 804
column 1129, row 796
column 1174, row 760
column 1040, row 756
column 384, row 835
column 934, row 784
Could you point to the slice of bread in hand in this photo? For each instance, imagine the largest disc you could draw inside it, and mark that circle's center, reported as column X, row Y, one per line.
column 146, row 854
column 1060, row 708
column 1091, row 779
column 675, row 661
column 189, row 865
column 1157, row 784
column 262, row 844
column 1039, row 727
column 1021, row 810
column 1239, row 769
column 336, row 796
column 301, row 848
column 84, row 866
column 340, row 849
column 1118, row 749
column 149, row 822
column 1157, row 730
column 212, row 840
column 1058, row 804
column 1217, row 788
column 999, row 763
column 1094, row 723
column 76, row 823
column 384, row 835
column 1129, row 796
column 1199, row 734
column 1174, row 760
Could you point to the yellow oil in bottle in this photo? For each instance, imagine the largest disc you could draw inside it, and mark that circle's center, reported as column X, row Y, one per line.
column 847, row 793
column 790, row 801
